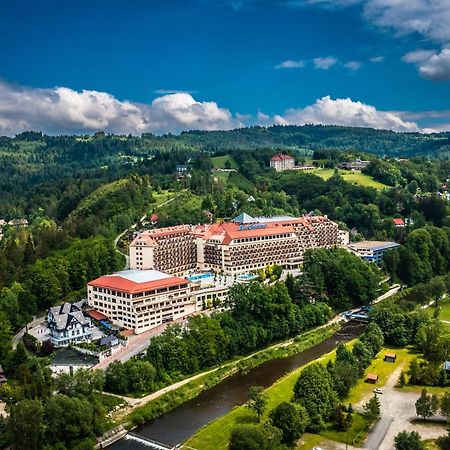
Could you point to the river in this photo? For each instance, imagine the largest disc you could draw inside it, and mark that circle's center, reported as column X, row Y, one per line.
column 182, row 422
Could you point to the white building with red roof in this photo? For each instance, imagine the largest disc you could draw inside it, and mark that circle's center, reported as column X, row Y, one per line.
column 139, row 300
column 240, row 246
column 281, row 162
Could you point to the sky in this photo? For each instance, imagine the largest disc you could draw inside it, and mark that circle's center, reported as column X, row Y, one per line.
column 166, row 66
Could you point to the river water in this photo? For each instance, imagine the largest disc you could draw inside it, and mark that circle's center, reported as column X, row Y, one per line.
column 182, row 422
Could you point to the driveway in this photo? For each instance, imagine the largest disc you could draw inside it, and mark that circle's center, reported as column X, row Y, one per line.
column 398, row 410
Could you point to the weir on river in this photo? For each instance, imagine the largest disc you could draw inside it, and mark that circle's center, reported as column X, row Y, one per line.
column 173, row 428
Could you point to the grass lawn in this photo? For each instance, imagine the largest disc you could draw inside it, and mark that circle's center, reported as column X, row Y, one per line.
column 222, row 176
column 309, row 441
column 219, row 162
column 444, row 306
column 356, row 434
column 350, row 176
column 161, row 197
column 382, row 369
column 430, row 444
column 217, row 434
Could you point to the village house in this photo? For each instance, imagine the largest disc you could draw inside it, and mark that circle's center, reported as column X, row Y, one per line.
column 68, row 324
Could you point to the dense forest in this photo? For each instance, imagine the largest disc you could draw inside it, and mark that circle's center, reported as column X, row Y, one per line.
column 80, row 193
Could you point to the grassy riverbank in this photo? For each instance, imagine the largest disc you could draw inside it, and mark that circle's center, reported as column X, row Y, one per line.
column 217, row 434
column 172, row 399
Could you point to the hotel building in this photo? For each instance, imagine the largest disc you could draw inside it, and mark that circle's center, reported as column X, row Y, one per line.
column 282, row 162
column 172, row 250
column 242, row 245
column 372, row 251
column 141, row 299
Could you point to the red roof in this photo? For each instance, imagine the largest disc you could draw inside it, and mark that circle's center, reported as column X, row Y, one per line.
column 96, row 315
column 398, row 221
column 118, row 283
column 154, row 217
column 281, row 157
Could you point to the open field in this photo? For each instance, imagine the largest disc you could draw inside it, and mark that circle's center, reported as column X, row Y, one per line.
column 362, row 390
column 444, row 311
column 222, row 176
column 350, row 176
column 219, row 162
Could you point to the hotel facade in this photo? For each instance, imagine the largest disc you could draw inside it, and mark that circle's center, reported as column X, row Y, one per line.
column 140, row 300
column 245, row 244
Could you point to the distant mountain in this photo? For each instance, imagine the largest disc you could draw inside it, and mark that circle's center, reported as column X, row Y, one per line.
column 312, row 137
column 307, row 137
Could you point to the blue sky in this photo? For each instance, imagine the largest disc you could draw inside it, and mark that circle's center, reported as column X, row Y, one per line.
column 237, row 62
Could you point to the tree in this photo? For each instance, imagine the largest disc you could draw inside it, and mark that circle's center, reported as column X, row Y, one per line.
column 291, row 419
column 402, row 379
column 69, row 418
column 257, row 400
column 25, row 425
column 425, row 405
column 247, row 437
column 408, row 441
column 5, row 336
column 445, row 405
column 373, row 408
column 314, row 391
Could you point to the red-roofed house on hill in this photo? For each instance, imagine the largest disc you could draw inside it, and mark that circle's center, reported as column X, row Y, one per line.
column 399, row 223
column 141, row 299
column 282, row 162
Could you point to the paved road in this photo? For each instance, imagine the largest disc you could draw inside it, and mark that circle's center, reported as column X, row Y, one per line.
column 398, row 412
column 19, row 335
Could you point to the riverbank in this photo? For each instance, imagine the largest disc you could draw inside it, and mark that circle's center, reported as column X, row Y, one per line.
column 216, row 435
column 162, row 401
column 229, row 391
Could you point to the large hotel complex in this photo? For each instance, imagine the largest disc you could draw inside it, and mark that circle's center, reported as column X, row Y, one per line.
column 240, row 246
column 160, row 287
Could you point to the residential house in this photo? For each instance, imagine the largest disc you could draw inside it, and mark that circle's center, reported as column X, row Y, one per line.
column 68, row 324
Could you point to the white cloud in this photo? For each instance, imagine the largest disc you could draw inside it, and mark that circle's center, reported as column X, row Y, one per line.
column 172, row 91
column 353, row 65
column 437, row 67
column 427, row 18
column 325, row 63
column 377, row 59
column 291, row 64
column 418, row 55
column 345, row 112
column 63, row 110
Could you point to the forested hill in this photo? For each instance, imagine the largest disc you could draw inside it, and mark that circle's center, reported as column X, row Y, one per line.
column 307, row 137
column 313, row 137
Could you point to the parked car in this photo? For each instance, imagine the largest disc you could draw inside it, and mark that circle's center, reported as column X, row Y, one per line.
column 378, row 391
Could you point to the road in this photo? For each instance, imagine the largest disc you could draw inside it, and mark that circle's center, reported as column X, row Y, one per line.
column 19, row 335
column 136, row 344
column 398, row 410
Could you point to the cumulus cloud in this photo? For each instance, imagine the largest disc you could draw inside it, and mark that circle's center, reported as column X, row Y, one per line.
column 345, row 112
column 353, row 65
column 325, row 63
column 437, row 67
column 64, row 110
column 418, row 55
column 291, row 64
column 377, row 59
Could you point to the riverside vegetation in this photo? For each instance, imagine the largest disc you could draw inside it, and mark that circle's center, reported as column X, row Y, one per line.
column 79, row 193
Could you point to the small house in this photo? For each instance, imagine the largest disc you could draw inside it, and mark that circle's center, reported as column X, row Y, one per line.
column 154, row 219
column 399, row 223
column 447, row 366
column 390, row 357
column 371, row 378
